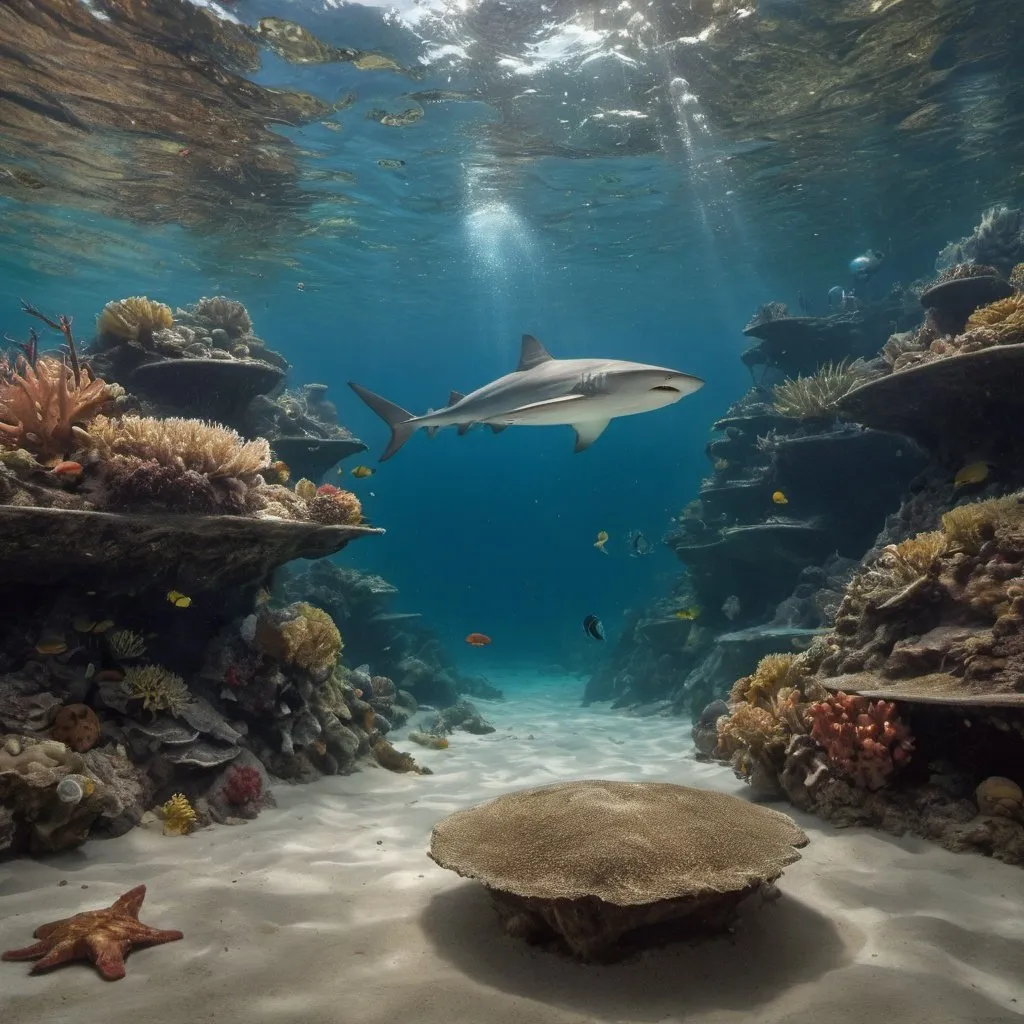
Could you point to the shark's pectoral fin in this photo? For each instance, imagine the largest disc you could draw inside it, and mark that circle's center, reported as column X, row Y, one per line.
column 497, row 428
column 587, row 433
column 532, row 354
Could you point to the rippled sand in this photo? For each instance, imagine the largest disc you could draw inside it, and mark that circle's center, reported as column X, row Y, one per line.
column 328, row 910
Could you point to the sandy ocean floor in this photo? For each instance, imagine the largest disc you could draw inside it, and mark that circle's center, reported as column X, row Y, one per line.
column 328, row 910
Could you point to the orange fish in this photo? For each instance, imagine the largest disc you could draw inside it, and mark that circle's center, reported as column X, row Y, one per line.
column 478, row 640
column 67, row 469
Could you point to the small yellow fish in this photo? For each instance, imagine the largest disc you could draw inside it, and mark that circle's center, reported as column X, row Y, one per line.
column 779, row 498
column 360, row 472
column 51, row 645
column 688, row 614
column 178, row 599
column 602, row 539
column 972, row 473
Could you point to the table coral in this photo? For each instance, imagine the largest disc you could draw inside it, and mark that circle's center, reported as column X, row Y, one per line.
column 104, row 936
column 864, row 739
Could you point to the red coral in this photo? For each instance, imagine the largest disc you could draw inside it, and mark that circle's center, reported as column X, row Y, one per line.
column 865, row 739
column 244, row 785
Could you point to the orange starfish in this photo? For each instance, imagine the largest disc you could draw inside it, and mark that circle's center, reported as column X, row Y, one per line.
column 104, row 936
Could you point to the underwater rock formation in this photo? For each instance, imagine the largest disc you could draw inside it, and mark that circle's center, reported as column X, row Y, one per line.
column 303, row 430
column 584, row 903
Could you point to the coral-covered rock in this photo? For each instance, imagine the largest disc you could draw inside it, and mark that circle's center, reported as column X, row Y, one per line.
column 77, row 727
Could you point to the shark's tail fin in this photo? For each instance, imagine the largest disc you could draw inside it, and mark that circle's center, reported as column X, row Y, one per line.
column 403, row 424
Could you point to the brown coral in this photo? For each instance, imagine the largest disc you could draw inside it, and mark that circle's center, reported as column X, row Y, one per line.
column 395, row 760
column 77, row 727
column 968, row 526
column 335, row 507
column 41, row 405
column 1002, row 321
column 311, row 639
column 134, row 319
column 207, row 448
column 818, row 395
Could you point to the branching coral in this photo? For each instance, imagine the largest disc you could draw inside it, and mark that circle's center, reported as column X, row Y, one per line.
column 158, row 688
column 863, row 739
column 125, row 644
column 179, row 816
column 207, row 448
column 134, row 319
column 41, row 405
column 817, row 396
column 311, row 639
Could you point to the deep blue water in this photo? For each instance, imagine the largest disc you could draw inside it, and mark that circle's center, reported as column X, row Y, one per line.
column 657, row 258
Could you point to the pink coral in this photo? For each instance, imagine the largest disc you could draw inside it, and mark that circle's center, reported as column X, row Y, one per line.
column 864, row 739
column 244, row 785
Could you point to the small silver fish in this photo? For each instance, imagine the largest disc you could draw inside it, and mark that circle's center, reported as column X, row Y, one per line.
column 864, row 266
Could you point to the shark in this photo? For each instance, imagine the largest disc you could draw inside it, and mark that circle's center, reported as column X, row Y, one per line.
column 542, row 391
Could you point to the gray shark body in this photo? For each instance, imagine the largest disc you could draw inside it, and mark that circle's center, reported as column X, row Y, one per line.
column 582, row 393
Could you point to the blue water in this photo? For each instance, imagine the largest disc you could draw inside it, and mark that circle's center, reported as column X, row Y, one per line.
column 658, row 258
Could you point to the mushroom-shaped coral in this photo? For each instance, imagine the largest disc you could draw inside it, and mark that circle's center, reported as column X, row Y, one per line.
column 133, row 319
column 1001, row 797
column 644, row 854
column 41, row 405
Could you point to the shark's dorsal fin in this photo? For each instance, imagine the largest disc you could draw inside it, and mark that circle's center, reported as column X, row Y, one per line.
column 454, row 398
column 587, row 433
column 532, row 354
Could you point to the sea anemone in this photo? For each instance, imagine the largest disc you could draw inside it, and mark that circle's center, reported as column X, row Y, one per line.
column 817, row 396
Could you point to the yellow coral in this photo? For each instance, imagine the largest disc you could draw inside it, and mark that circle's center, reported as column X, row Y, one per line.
column 810, row 397
column 1003, row 321
column 969, row 526
column 207, row 448
column 772, row 673
column 335, row 508
column 134, row 319
column 311, row 639
column 179, row 816
column 305, row 489
column 158, row 688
